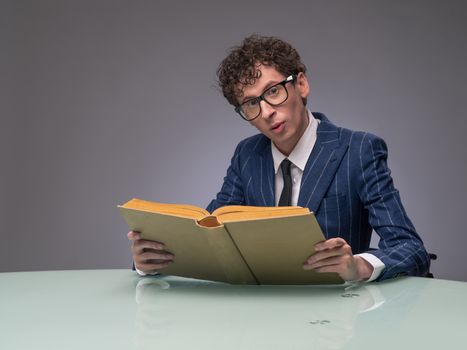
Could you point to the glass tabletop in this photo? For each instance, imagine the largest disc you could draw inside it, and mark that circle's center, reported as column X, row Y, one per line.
column 116, row 309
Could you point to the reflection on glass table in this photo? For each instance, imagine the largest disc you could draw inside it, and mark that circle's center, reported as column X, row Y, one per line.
column 208, row 313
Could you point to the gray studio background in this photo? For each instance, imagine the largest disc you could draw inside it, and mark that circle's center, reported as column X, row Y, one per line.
column 102, row 101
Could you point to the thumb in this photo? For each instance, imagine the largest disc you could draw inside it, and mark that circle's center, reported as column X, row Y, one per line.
column 133, row 235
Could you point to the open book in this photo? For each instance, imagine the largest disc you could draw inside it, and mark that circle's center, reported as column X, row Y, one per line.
column 234, row 244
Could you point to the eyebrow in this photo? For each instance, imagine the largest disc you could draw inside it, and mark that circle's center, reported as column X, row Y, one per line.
column 267, row 86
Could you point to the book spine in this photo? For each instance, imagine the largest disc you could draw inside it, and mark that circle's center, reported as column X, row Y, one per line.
column 228, row 256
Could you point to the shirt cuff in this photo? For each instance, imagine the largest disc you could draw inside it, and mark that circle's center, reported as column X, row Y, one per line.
column 141, row 273
column 378, row 265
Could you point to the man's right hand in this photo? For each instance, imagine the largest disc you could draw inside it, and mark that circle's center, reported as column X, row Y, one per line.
column 148, row 256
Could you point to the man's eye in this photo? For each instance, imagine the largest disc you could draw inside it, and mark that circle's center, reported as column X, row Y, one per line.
column 252, row 103
column 273, row 91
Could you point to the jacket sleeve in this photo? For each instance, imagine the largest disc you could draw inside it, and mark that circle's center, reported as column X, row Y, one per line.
column 400, row 248
column 231, row 192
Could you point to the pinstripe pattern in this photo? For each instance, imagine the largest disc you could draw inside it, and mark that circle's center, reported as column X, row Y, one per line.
column 261, row 180
column 348, row 185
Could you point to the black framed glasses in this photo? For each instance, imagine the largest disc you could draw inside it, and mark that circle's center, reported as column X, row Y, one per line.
column 274, row 96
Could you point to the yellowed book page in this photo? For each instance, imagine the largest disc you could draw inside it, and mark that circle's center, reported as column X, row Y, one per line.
column 276, row 248
column 245, row 208
column 183, row 210
column 246, row 215
column 200, row 252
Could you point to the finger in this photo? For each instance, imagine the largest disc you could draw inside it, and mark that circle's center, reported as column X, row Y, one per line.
column 335, row 260
column 330, row 244
column 142, row 244
column 344, row 265
column 133, row 235
column 328, row 253
column 158, row 255
column 151, row 267
column 148, row 254
column 345, row 274
column 329, row 268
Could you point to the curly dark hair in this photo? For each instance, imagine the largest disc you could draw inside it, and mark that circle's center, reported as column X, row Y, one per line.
column 240, row 67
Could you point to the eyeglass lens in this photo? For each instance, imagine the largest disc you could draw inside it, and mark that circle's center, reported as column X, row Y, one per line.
column 275, row 95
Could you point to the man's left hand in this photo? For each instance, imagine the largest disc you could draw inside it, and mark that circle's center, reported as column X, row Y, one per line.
column 335, row 255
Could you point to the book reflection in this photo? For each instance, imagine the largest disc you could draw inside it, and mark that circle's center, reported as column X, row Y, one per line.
column 174, row 313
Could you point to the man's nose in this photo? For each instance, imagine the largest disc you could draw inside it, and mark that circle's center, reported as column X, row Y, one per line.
column 266, row 109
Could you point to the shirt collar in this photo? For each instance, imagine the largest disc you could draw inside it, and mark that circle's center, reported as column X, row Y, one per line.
column 302, row 150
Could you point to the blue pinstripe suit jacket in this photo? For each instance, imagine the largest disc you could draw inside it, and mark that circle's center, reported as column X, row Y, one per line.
column 346, row 183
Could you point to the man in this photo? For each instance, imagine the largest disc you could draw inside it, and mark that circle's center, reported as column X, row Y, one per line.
column 301, row 158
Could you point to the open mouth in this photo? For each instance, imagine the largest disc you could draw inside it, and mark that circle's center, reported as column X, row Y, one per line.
column 277, row 127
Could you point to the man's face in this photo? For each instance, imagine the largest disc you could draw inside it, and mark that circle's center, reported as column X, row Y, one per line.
column 286, row 123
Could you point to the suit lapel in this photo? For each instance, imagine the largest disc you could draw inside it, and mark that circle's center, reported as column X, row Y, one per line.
column 321, row 165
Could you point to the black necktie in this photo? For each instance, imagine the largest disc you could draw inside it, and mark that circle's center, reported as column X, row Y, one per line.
column 286, row 195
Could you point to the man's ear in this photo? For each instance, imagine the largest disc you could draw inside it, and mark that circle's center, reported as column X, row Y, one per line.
column 302, row 85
